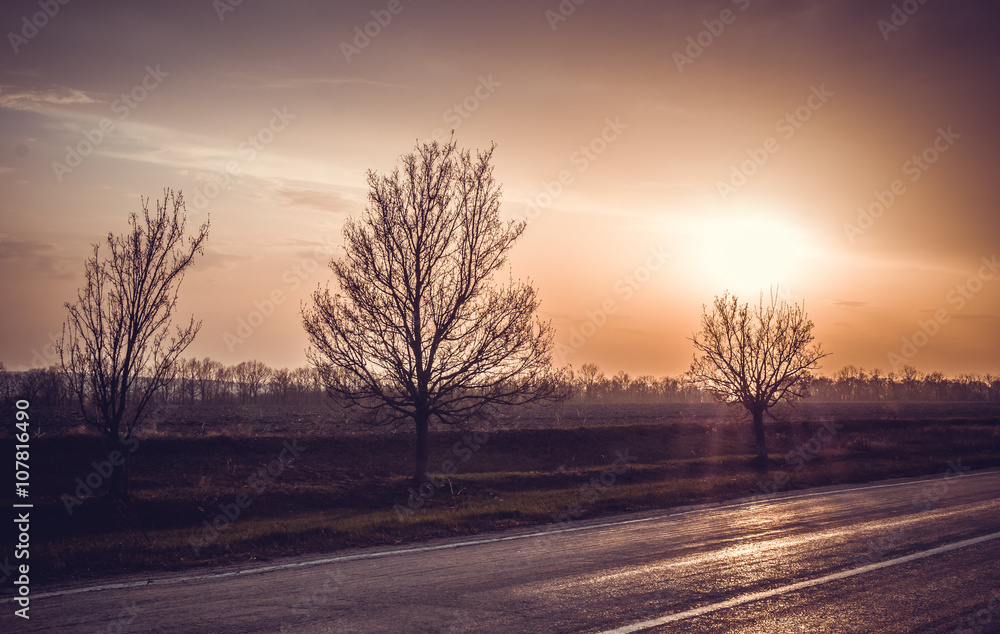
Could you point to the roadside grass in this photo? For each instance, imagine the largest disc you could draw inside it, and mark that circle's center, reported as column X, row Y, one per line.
column 352, row 491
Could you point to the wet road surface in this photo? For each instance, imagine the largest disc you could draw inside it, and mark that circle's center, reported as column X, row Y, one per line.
column 917, row 555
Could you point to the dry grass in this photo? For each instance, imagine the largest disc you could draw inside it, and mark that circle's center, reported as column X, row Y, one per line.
column 343, row 491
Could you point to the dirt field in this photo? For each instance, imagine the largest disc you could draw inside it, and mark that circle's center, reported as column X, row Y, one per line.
column 298, row 482
column 328, row 419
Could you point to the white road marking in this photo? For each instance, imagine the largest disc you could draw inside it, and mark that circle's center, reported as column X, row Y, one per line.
column 756, row 596
column 474, row 542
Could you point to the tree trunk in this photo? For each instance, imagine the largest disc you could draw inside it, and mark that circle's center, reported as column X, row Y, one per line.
column 422, row 419
column 118, row 480
column 758, row 430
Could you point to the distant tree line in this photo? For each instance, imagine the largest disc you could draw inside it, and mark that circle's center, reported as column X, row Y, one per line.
column 589, row 384
column 194, row 382
column 210, row 382
column 853, row 383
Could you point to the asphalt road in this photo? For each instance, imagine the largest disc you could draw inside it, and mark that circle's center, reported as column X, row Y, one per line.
column 903, row 556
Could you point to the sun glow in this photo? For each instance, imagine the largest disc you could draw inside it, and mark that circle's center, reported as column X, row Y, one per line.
column 747, row 252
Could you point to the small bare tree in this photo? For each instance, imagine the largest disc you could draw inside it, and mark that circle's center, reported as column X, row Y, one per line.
column 118, row 347
column 419, row 330
column 754, row 357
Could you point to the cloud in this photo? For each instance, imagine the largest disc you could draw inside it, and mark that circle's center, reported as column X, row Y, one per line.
column 975, row 317
column 847, row 303
column 214, row 258
column 246, row 81
column 309, row 198
column 39, row 258
column 14, row 98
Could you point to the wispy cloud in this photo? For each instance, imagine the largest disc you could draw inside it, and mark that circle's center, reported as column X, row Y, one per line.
column 974, row 316
column 44, row 100
column 321, row 200
column 215, row 258
column 39, row 257
column 246, row 81
column 847, row 303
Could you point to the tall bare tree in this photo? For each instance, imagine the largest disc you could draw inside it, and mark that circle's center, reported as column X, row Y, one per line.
column 755, row 357
column 119, row 343
column 419, row 329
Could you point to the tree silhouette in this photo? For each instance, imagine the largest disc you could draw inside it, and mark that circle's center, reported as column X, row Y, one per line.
column 419, row 330
column 117, row 347
column 754, row 357
column 251, row 377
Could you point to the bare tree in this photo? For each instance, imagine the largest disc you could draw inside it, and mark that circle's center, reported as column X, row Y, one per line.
column 307, row 384
column 755, row 357
column 591, row 379
column 30, row 384
column 53, row 387
column 250, row 377
column 281, row 385
column 205, row 372
column 619, row 385
column 419, row 330
column 118, row 345
column 222, row 382
column 186, row 371
column 5, row 384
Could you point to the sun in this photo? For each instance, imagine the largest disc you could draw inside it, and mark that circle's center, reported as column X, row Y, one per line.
column 747, row 252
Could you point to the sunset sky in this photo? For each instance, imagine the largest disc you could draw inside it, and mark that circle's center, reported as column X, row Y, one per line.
column 662, row 152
